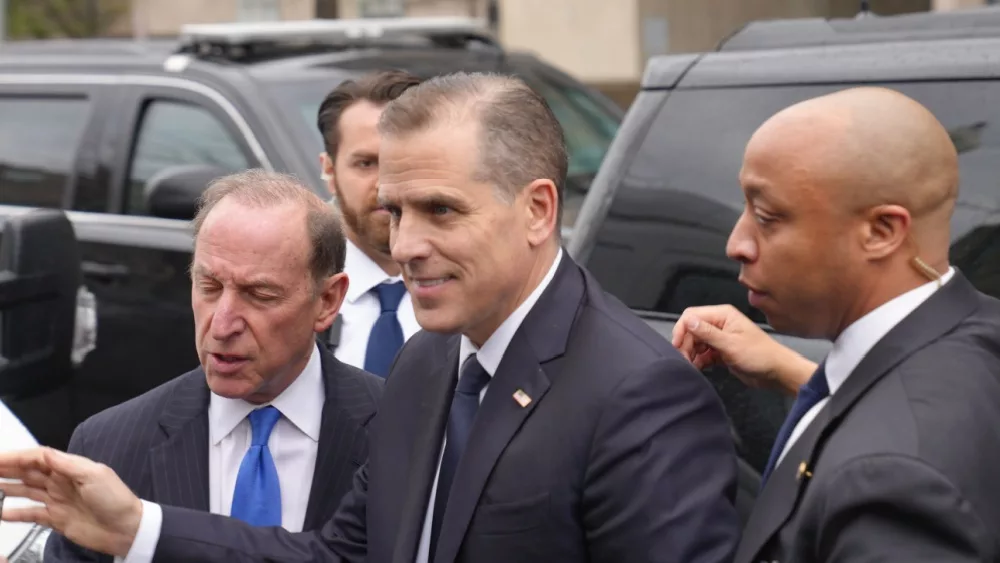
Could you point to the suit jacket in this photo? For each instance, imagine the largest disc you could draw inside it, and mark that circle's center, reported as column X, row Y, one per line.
column 158, row 444
column 623, row 454
column 902, row 462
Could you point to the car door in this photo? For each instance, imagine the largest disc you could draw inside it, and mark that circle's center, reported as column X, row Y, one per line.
column 137, row 265
column 49, row 129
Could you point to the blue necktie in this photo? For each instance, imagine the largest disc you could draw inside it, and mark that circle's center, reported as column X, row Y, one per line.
column 386, row 337
column 464, row 405
column 814, row 391
column 257, row 497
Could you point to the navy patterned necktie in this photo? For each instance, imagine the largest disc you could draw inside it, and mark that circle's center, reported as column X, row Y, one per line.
column 464, row 405
column 814, row 391
column 386, row 337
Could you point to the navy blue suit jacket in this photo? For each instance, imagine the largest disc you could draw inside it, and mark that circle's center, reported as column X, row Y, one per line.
column 158, row 444
column 624, row 454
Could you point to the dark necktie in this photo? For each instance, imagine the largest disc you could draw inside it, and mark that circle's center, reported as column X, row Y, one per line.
column 386, row 337
column 464, row 405
column 257, row 496
column 814, row 391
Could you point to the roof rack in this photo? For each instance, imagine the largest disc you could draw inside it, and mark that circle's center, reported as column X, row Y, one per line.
column 233, row 40
column 866, row 28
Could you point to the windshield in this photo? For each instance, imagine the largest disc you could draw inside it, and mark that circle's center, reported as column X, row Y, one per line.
column 589, row 128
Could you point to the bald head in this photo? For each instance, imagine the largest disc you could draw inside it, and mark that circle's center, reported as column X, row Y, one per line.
column 844, row 193
column 865, row 147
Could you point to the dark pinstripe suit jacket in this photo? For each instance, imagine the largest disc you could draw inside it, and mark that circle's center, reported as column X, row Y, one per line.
column 158, row 444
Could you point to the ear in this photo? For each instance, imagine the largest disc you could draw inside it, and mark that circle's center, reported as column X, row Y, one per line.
column 886, row 230
column 326, row 168
column 331, row 297
column 541, row 210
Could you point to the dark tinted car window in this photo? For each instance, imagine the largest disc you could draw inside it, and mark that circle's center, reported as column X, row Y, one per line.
column 589, row 129
column 662, row 246
column 177, row 133
column 38, row 142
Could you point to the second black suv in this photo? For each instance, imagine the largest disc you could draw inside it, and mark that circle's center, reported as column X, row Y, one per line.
column 654, row 226
column 109, row 131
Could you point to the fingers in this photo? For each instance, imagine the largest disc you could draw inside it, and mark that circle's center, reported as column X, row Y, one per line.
column 74, row 467
column 19, row 490
column 13, row 464
column 32, row 514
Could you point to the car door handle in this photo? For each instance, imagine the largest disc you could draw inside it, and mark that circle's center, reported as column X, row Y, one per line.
column 102, row 270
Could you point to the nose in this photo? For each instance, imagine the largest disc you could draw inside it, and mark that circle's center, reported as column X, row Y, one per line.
column 741, row 245
column 227, row 320
column 409, row 239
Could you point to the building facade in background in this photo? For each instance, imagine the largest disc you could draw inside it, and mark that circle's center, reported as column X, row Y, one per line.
column 604, row 43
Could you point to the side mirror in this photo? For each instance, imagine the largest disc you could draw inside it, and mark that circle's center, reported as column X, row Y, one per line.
column 173, row 192
column 39, row 279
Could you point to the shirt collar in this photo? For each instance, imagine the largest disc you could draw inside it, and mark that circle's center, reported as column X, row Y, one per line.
column 863, row 334
column 493, row 349
column 301, row 403
column 362, row 273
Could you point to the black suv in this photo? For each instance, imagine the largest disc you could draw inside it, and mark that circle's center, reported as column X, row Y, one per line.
column 122, row 135
column 654, row 226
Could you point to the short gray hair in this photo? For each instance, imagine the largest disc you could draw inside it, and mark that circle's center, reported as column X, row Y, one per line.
column 520, row 138
column 260, row 188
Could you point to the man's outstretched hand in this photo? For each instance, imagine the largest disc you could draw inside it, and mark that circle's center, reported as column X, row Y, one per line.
column 720, row 334
column 83, row 500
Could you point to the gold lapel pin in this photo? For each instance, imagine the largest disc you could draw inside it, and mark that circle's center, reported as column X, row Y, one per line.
column 522, row 398
column 803, row 472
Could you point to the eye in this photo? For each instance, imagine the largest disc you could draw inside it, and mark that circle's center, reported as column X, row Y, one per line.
column 263, row 296
column 440, row 209
column 208, row 287
column 365, row 163
column 394, row 211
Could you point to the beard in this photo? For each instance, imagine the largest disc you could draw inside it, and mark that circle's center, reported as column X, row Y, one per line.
column 370, row 229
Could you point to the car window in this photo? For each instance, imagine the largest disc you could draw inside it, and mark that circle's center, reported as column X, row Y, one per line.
column 588, row 128
column 175, row 133
column 662, row 245
column 39, row 138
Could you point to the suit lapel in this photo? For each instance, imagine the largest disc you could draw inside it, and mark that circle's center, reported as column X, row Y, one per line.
column 940, row 314
column 321, row 502
column 542, row 337
column 434, row 403
column 498, row 419
column 179, row 465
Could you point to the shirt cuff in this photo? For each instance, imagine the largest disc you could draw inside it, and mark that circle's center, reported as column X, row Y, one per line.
column 148, row 535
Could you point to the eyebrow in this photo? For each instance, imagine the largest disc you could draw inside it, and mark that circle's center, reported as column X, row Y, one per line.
column 259, row 283
column 365, row 153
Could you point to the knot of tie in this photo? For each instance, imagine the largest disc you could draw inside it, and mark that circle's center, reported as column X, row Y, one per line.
column 389, row 295
column 262, row 421
column 473, row 378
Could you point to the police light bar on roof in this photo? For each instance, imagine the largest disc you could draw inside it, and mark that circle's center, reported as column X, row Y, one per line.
column 240, row 33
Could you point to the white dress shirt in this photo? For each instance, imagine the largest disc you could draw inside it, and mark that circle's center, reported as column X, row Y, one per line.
column 361, row 308
column 857, row 340
column 489, row 357
column 293, row 444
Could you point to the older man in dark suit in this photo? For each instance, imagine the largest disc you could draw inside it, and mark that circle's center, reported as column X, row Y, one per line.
column 271, row 427
column 892, row 449
column 535, row 419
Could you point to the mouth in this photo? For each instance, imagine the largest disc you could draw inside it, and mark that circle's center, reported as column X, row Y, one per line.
column 430, row 282
column 227, row 363
column 754, row 295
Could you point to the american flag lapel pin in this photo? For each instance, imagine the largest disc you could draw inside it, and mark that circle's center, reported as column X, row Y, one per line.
column 522, row 398
column 803, row 472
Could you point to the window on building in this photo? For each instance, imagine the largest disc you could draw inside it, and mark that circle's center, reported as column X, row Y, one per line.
column 39, row 138
column 382, row 8
column 258, row 10
column 179, row 133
